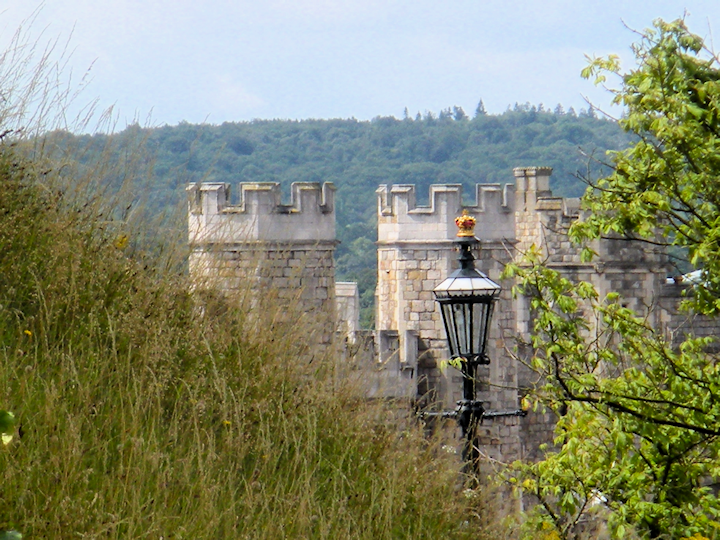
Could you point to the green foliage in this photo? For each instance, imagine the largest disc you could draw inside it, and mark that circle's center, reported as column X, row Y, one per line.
column 7, row 422
column 667, row 182
column 639, row 421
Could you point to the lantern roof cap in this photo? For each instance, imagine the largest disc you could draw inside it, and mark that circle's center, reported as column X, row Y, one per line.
column 467, row 282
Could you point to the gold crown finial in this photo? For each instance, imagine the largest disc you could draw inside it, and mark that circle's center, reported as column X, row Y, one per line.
column 466, row 225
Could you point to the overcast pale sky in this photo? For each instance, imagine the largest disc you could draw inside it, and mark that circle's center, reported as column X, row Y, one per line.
column 233, row 60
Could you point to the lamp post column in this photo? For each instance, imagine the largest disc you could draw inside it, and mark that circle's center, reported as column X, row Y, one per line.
column 466, row 299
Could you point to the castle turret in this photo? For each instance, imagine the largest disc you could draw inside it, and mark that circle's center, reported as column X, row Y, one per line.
column 263, row 244
column 260, row 215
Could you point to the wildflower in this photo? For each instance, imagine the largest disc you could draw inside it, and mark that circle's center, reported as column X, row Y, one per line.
column 121, row 241
column 226, row 422
column 28, row 333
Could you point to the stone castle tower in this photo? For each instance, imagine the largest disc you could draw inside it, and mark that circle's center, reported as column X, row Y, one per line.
column 283, row 249
column 416, row 251
column 289, row 248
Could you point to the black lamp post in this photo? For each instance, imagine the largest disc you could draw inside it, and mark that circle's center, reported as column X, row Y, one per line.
column 466, row 299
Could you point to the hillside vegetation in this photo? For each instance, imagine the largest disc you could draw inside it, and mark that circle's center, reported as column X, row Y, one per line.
column 448, row 147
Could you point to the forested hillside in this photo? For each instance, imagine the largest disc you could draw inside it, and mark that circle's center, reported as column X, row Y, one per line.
column 449, row 147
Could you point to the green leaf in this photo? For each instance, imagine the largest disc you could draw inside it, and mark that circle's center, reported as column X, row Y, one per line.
column 7, row 421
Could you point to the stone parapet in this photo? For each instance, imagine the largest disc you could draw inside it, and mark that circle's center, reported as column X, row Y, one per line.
column 348, row 309
column 531, row 184
column 260, row 214
column 401, row 218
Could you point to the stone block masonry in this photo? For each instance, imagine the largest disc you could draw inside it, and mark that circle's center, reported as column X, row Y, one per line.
column 265, row 246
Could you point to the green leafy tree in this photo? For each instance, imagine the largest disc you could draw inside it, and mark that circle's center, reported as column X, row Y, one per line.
column 668, row 180
column 639, row 430
column 459, row 114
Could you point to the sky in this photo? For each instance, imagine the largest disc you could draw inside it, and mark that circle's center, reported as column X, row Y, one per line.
column 166, row 61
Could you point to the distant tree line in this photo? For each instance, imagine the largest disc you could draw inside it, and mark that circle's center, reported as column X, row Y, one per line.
column 447, row 147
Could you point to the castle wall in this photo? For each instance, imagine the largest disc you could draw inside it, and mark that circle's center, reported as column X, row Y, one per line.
column 416, row 251
column 348, row 309
column 677, row 324
column 261, row 244
column 635, row 270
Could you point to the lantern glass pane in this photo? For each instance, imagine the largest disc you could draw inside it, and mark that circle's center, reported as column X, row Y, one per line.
column 467, row 325
column 450, row 328
column 462, row 321
column 481, row 323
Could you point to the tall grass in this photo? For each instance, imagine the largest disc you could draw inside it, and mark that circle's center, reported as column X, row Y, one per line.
column 145, row 410
column 142, row 416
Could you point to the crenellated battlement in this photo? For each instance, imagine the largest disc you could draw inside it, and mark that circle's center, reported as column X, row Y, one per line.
column 214, row 198
column 400, row 218
column 533, row 194
column 260, row 215
column 533, row 179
